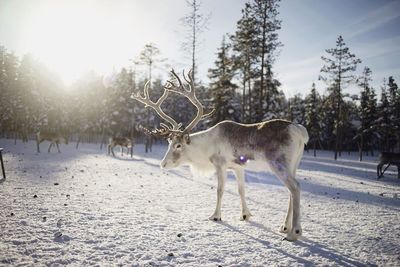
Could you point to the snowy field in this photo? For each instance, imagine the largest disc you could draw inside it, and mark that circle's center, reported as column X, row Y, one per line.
column 83, row 207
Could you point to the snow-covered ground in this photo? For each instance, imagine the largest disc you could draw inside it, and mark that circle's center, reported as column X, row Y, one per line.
column 83, row 207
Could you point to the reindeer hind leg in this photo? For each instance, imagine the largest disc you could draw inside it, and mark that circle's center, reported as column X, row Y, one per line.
column 291, row 224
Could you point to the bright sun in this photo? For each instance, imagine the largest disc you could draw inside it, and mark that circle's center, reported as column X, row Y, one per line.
column 72, row 39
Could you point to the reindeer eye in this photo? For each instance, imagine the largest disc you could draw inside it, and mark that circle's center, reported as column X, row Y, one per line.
column 178, row 146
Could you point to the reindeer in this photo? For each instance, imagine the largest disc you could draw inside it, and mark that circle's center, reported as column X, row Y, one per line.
column 122, row 142
column 54, row 138
column 276, row 145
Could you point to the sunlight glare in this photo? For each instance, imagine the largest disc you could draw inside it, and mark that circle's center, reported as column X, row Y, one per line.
column 72, row 39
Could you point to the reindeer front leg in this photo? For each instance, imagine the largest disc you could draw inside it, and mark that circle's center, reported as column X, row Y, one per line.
column 51, row 144
column 58, row 147
column 240, row 180
column 221, row 175
column 38, row 145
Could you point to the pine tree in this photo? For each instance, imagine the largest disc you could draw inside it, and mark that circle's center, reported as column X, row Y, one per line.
column 367, row 112
column 265, row 14
column 383, row 119
column 313, row 117
column 337, row 73
column 394, row 110
column 245, row 58
column 296, row 109
column 328, row 119
column 9, row 98
column 222, row 89
column 149, row 56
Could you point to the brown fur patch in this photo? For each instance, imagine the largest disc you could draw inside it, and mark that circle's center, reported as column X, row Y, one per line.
column 265, row 137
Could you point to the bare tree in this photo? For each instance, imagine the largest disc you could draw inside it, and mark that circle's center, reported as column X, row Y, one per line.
column 194, row 23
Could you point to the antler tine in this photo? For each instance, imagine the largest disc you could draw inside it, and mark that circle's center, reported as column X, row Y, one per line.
column 189, row 80
column 146, row 90
column 177, row 78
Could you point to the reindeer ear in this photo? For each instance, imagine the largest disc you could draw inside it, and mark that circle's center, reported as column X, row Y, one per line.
column 186, row 138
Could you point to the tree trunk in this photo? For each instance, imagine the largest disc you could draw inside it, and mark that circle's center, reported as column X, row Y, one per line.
column 149, row 144
column 250, row 103
column 79, row 140
column 315, row 148
column 360, row 148
column 263, row 52
column 194, row 44
column 244, row 98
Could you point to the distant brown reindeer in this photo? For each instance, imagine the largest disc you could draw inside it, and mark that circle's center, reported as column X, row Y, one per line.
column 54, row 138
column 388, row 158
column 122, row 142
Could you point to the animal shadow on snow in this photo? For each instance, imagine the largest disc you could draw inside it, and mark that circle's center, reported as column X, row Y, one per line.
column 365, row 170
column 314, row 247
column 328, row 190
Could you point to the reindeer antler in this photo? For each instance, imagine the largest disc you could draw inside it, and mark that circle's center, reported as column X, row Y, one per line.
column 157, row 107
column 170, row 86
column 189, row 93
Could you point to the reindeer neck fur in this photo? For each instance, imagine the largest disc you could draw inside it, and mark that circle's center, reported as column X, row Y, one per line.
column 203, row 145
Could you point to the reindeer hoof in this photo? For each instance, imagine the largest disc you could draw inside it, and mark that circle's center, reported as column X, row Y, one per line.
column 284, row 229
column 245, row 217
column 298, row 231
column 215, row 219
column 288, row 239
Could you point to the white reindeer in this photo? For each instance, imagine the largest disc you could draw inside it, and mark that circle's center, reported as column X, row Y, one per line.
column 276, row 145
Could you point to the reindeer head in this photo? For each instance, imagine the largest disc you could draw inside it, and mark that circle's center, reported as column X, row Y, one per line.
column 179, row 140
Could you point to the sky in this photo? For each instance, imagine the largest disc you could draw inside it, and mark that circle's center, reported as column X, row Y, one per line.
column 73, row 37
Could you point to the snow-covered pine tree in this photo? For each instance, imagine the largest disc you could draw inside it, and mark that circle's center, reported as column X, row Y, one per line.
column 150, row 56
column 296, row 109
column 394, row 110
column 267, row 24
column 367, row 113
column 222, row 90
column 8, row 100
column 383, row 119
column 337, row 73
column 348, row 118
column 313, row 118
column 245, row 58
column 328, row 113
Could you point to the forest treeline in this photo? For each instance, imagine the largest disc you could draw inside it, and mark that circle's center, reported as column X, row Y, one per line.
column 242, row 86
